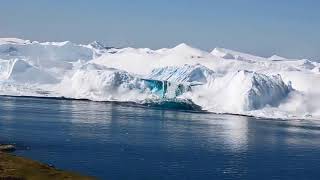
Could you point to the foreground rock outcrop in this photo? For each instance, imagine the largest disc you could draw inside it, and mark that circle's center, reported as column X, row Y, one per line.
column 18, row 168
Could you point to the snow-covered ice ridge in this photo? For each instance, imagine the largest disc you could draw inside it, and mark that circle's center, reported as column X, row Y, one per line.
column 220, row 81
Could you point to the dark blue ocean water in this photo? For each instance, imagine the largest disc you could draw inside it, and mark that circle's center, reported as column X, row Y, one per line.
column 113, row 141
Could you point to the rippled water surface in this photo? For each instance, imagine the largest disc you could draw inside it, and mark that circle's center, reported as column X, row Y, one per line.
column 113, row 141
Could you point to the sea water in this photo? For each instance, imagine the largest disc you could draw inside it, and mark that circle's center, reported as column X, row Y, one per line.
column 120, row 141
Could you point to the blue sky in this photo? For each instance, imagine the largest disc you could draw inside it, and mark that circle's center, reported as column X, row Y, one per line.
column 289, row 28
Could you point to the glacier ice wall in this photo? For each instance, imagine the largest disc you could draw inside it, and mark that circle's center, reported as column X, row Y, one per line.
column 241, row 91
column 222, row 80
column 186, row 73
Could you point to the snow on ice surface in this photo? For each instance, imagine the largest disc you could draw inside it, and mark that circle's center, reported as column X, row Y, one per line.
column 230, row 54
column 222, row 81
column 276, row 58
column 22, row 72
column 186, row 73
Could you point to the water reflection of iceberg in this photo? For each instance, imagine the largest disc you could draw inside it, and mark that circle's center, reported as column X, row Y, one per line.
column 228, row 131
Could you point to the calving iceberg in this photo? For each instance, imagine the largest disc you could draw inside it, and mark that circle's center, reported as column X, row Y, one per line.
column 222, row 81
column 242, row 91
column 166, row 89
column 97, row 82
column 100, row 83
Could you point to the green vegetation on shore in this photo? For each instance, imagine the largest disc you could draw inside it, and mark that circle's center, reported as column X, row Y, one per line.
column 14, row 167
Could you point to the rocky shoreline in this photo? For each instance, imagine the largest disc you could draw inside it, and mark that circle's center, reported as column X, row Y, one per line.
column 18, row 168
column 7, row 148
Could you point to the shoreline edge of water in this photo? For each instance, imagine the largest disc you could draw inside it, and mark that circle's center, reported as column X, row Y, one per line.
column 20, row 168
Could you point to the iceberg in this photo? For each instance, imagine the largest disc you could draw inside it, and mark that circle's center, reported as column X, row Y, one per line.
column 220, row 81
column 242, row 91
column 93, row 81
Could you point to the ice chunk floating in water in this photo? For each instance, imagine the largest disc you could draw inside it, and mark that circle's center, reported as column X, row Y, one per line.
column 173, row 104
column 222, row 81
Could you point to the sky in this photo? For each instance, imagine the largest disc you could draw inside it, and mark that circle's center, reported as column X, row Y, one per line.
column 289, row 28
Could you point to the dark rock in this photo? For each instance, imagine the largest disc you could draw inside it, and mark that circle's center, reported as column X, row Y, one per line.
column 7, row 148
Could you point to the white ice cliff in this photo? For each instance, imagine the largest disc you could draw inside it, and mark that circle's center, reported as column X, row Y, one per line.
column 221, row 81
